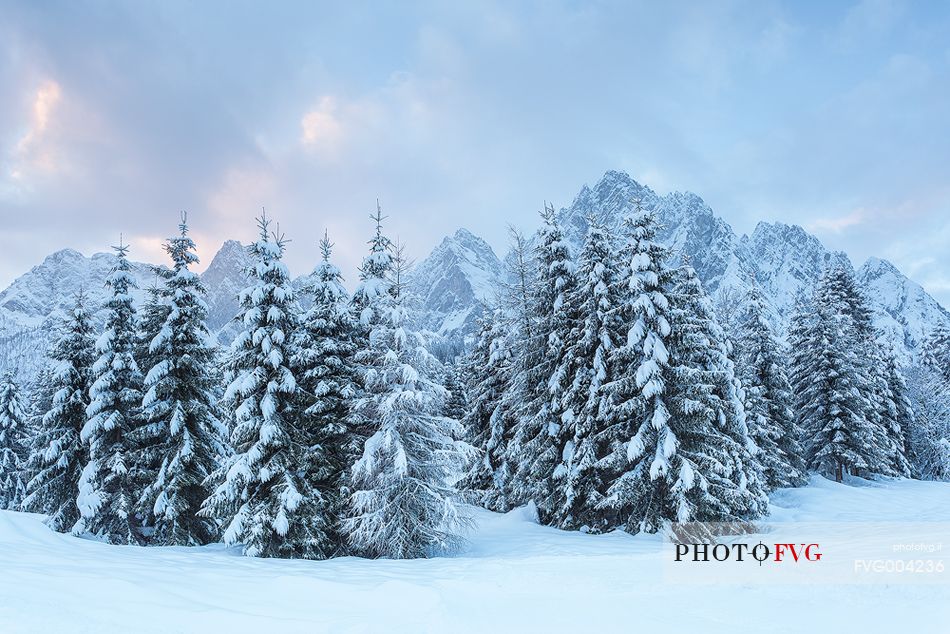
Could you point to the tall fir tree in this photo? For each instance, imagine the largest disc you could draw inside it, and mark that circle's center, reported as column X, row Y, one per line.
column 585, row 369
column 872, row 441
column 402, row 506
column 107, row 485
column 679, row 449
column 541, row 436
column 903, row 413
column 368, row 298
column 180, row 419
column 327, row 379
column 929, row 440
column 708, row 411
column 487, row 371
column 640, row 441
column 57, row 456
column 13, row 422
column 262, row 497
column 935, row 350
column 839, row 437
column 768, row 397
column 456, row 403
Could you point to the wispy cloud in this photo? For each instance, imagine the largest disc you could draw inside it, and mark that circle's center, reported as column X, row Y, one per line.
column 839, row 223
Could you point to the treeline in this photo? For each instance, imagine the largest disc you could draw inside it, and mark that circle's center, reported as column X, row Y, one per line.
column 318, row 433
column 605, row 389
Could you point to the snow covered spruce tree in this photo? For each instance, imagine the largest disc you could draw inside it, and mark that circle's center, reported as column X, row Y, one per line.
column 402, row 506
column 265, row 497
column 584, row 369
column 929, row 440
column 456, row 404
column 768, row 397
column 182, row 431
column 57, row 456
column 678, row 447
column 839, row 438
column 374, row 278
column 641, row 443
column 540, row 435
column 327, row 380
column 487, row 371
column 107, row 485
column 517, row 346
column 848, row 410
column 707, row 406
column 12, row 449
column 936, row 350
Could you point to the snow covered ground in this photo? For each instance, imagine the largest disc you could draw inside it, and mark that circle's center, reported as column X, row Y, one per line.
column 515, row 576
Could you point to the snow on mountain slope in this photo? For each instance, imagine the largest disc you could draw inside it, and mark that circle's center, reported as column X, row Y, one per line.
column 786, row 260
column 783, row 259
column 514, row 576
column 455, row 283
column 33, row 306
column 902, row 309
column 224, row 279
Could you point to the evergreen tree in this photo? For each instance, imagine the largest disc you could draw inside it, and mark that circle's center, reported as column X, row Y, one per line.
column 456, row 404
column 368, row 298
column 929, row 439
column 107, row 494
column 267, row 504
column 57, row 456
column 488, row 369
column 540, row 435
column 641, row 443
column 185, row 436
column 768, row 398
column 12, row 450
column 903, row 416
column 936, row 350
column 585, row 369
column 839, row 438
column 707, row 412
column 401, row 506
column 324, row 364
column 848, row 406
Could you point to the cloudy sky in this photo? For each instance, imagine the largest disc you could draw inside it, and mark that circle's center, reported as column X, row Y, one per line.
column 115, row 116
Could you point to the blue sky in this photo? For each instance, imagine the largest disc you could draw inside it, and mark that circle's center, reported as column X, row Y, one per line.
column 115, row 116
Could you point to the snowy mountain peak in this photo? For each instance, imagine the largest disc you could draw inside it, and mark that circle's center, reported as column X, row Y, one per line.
column 455, row 283
column 224, row 279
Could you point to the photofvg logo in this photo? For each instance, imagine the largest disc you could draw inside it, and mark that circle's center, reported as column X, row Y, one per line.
column 760, row 552
column 834, row 553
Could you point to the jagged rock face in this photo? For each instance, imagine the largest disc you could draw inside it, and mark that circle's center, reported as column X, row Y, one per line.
column 784, row 260
column 49, row 289
column 903, row 311
column 455, row 284
column 687, row 225
column 224, row 279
